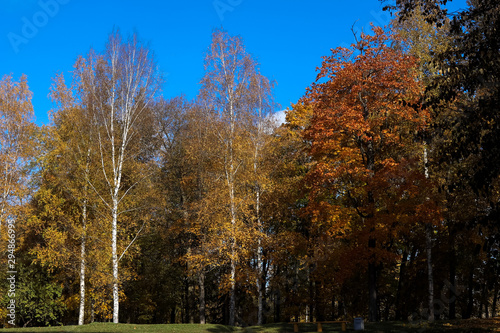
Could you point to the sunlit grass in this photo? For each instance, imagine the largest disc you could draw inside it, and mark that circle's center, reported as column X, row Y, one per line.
column 128, row 328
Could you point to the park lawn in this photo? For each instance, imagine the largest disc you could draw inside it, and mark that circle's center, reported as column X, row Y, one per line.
column 457, row 326
column 128, row 328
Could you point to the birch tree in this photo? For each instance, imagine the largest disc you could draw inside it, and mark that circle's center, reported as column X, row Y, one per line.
column 260, row 139
column 229, row 93
column 74, row 150
column 224, row 87
column 422, row 39
column 121, row 87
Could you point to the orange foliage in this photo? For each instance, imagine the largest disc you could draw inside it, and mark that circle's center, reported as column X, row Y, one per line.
column 367, row 183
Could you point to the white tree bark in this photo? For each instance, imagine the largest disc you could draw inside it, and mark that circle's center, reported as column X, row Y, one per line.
column 81, row 315
column 229, row 89
column 83, row 264
column 260, row 260
column 130, row 83
column 232, row 201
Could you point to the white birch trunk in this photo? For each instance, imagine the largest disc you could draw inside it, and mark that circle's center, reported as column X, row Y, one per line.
column 114, row 254
column 428, row 243
column 230, row 181
column 232, row 295
column 260, row 264
column 114, row 231
column 81, row 316
column 83, row 263
column 260, row 274
column 227, row 87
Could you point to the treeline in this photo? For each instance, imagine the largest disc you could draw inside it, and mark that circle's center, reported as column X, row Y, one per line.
column 378, row 197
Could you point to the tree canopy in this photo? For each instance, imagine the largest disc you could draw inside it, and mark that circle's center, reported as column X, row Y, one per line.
column 384, row 179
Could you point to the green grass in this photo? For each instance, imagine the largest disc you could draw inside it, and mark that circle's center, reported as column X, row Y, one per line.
column 128, row 328
column 458, row 326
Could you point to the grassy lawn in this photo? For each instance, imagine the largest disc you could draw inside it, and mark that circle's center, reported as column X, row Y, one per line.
column 459, row 326
column 129, row 328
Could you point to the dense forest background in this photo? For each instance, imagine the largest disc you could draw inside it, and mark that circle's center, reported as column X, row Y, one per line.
column 378, row 197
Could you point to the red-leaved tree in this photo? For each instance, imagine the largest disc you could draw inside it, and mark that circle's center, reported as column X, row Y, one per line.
column 368, row 184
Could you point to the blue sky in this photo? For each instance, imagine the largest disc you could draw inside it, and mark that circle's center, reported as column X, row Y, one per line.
column 287, row 37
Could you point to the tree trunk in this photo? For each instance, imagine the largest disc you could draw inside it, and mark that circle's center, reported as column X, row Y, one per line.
column 320, row 305
column 114, row 254
column 341, row 308
column 470, row 301
column 232, row 295
column 277, row 306
column 229, row 90
column 495, row 299
column 172, row 315
column 201, row 280
column 260, row 270
column 308, row 299
column 373, row 308
column 225, row 312
column 311, row 302
column 401, row 287
column 430, row 277
column 81, row 315
column 483, row 307
column 185, row 307
column 260, row 259
column 452, row 260
column 372, row 265
column 372, row 286
column 295, row 290
column 230, row 175
column 92, row 310
column 260, row 287
column 428, row 245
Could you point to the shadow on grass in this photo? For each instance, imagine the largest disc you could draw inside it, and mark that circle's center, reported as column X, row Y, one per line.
column 269, row 328
column 222, row 328
column 287, row 328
